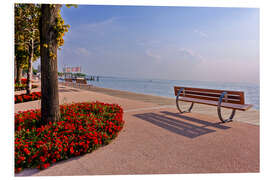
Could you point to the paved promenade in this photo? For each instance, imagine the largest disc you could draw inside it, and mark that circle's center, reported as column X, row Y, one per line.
column 156, row 139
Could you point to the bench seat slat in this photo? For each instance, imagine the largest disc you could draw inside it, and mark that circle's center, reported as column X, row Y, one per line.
column 236, row 101
column 210, row 94
column 210, row 90
column 81, row 81
column 234, row 97
column 68, row 80
column 241, row 107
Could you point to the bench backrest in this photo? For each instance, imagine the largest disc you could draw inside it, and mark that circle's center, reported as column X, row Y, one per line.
column 235, row 97
column 81, row 81
column 68, row 80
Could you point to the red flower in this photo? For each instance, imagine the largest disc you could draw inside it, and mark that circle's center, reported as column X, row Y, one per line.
column 26, row 97
column 18, row 170
column 82, row 128
column 71, row 150
column 58, row 156
column 26, row 151
column 42, row 158
column 46, row 165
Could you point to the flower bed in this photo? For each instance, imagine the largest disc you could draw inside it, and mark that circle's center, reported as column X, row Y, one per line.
column 82, row 128
column 23, row 81
column 23, row 85
column 25, row 97
column 19, row 87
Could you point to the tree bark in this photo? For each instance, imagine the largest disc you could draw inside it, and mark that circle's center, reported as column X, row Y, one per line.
column 49, row 77
column 15, row 68
column 19, row 73
column 30, row 69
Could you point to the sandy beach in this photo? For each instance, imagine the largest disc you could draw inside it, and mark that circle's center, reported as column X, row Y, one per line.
column 156, row 139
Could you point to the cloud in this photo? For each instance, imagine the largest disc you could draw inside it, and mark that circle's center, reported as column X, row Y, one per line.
column 82, row 51
column 93, row 31
column 173, row 54
column 140, row 43
column 188, row 52
column 101, row 24
column 202, row 34
column 151, row 54
column 148, row 43
column 189, row 55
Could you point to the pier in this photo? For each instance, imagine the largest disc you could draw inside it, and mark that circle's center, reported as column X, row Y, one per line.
column 74, row 76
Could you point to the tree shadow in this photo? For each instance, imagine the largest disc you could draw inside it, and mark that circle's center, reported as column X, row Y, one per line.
column 179, row 127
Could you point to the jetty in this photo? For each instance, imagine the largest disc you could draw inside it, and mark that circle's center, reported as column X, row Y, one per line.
column 74, row 76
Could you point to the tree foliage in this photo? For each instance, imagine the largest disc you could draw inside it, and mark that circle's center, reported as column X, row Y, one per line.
column 27, row 43
column 27, row 29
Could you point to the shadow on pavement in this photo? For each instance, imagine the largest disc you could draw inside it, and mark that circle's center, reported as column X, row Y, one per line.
column 178, row 126
column 218, row 125
column 61, row 89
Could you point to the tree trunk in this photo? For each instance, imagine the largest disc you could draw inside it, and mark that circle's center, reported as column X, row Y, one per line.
column 29, row 70
column 49, row 77
column 19, row 73
column 15, row 68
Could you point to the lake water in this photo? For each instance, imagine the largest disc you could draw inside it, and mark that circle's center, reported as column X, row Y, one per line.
column 165, row 87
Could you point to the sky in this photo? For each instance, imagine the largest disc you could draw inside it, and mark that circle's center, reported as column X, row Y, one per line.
column 176, row 43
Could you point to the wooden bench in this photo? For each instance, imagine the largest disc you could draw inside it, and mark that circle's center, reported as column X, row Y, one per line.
column 81, row 81
column 68, row 80
column 234, row 100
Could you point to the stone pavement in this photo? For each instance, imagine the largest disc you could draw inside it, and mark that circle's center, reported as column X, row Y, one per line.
column 156, row 139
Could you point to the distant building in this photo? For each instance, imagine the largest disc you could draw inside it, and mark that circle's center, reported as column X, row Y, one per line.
column 72, row 69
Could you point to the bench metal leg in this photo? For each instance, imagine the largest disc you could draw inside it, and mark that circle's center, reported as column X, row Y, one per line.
column 219, row 109
column 177, row 102
column 225, row 120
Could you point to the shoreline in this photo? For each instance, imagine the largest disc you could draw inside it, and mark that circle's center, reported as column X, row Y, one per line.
column 72, row 92
column 160, row 100
column 252, row 116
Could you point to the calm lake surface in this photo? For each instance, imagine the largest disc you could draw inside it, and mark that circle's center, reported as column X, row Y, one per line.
column 165, row 87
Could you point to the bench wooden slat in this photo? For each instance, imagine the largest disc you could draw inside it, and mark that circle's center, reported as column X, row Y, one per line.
column 241, row 107
column 68, row 80
column 81, row 81
column 235, row 101
column 211, row 94
column 230, row 96
column 211, row 90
